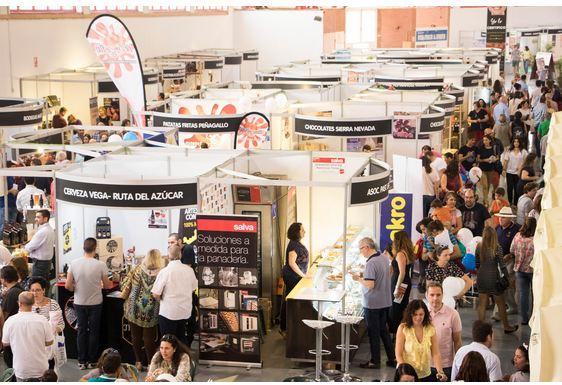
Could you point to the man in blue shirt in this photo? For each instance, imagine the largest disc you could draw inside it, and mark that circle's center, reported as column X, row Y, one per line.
column 376, row 302
column 501, row 108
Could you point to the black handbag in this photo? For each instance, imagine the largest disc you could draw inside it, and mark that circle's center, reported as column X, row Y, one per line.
column 502, row 284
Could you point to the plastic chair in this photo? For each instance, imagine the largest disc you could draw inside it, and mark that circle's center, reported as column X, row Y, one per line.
column 7, row 375
column 131, row 371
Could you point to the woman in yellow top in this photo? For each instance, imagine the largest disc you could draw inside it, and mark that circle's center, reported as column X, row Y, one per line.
column 416, row 342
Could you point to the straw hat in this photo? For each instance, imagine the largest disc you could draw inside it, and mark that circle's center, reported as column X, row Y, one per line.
column 506, row 212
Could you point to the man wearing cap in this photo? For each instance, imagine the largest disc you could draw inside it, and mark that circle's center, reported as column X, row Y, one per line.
column 506, row 231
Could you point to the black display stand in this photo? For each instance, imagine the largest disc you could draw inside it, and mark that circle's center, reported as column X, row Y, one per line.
column 115, row 330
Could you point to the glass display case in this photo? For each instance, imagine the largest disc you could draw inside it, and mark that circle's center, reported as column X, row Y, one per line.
column 330, row 271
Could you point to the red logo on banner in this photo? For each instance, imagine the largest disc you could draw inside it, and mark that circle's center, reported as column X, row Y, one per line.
column 235, row 225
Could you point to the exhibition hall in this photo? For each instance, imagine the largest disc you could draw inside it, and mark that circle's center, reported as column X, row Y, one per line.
column 280, row 193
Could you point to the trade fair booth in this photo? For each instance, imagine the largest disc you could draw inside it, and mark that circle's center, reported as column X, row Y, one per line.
column 83, row 91
column 19, row 115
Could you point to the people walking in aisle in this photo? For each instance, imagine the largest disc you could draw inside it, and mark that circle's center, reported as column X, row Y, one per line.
column 83, row 278
column 497, row 204
column 537, row 207
column 500, row 109
column 441, row 268
column 22, row 267
column 425, row 257
column 451, row 180
column 295, row 268
column 375, row 284
column 515, row 58
column 527, row 57
column 417, row 344
column 58, row 119
column 41, row 246
column 526, row 174
column 525, row 203
column 173, row 358
column 28, row 334
column 482, row 336
column 487, row 159
column 478, row 120
column 401, row 282
column 173, row 287
column 502, row 131
column 140, row 307
column 474, row 215
column 467, row 153
column 512, row 161
column 430, row 184
column 523, row 250
column 489, row 265
column 447, row 324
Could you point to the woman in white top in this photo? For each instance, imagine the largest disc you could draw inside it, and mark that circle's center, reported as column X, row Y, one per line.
column 512, row 161
column 430, row 184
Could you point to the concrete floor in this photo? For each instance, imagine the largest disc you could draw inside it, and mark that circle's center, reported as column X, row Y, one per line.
column 276, row 367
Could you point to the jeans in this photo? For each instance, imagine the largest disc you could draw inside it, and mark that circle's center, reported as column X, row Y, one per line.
column 377, row 330
column 88, row 339
column 144, row 337
column 427, row 199
column 524, row 288
column 290, row 279
column 175, row 327
column 41, row 269
column 512, row 180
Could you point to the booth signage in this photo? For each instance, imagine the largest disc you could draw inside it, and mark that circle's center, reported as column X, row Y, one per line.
column 458, row 94
column 530, row 33
column 496, row 26
column 21, row 116
column 214, row 64
column 302, row 78
column 554, row 31
column 229, row 266
column 127, row 196
column 396, row 215
column 187, row 229
column 431, row 35
column 382, row 79
column 372, row 189
column 233, row 60
column 199, row 124
column 432, row 123
column 251, row 56
column 491, row 59
column 173, row 73
column 470, row 80
column 342, row 128
column 329, row 165
column 447, row 105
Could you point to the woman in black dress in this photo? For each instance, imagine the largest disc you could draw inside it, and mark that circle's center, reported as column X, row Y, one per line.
column 402, row 264
column 489, row 258
column 296, row 266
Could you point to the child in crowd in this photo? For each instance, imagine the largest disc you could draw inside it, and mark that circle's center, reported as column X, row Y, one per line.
column 438, row 212
column 497, row 204
column 521, row 363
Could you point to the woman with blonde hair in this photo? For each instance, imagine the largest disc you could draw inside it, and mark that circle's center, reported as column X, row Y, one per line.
column 401, row 280
column 140, row 308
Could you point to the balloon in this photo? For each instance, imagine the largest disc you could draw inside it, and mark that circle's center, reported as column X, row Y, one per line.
column 462, row 248
column 452, row 286
column 469, row 261
column 449, row 301
column 475, row 174
column 130, row 136
column 114, row 138
column 471, row 247
column 270, row 104
column 281, row 101
column 465, row 236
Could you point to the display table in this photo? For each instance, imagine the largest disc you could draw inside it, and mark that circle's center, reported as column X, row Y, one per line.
column 115, row 329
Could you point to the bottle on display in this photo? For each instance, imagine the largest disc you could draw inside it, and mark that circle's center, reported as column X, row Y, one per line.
column 31, row 202
column 41, row 201
column 152, row 219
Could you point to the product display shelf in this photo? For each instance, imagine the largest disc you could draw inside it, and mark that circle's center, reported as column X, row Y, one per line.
column 329, row 274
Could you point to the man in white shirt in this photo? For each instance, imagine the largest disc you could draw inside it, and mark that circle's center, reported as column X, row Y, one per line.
column 482, row 335
column 448, row 326
column 501, row 108
column 173, row 287
column 28, row 333
column 84, row 278
column 437, row 163
column 41, row 246
column 22, row 200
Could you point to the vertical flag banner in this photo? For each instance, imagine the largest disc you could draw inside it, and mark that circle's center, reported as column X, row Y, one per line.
column 396, row 215
column 116, row 50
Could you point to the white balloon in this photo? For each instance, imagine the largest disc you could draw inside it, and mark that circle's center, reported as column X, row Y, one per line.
column 449, row 301
column 465, row 236
column 114, row 138
column 475, row 174
column 281, row 101
column 472, row 245
column 452, row 286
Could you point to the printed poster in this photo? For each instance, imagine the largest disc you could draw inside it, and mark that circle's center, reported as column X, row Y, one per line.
column 396, row 215
column 158, row 219
column 227, row 254
column 67, row 237
column 187, row 225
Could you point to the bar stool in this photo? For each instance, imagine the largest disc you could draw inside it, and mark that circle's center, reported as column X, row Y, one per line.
column 319, row 326
column 346, row 347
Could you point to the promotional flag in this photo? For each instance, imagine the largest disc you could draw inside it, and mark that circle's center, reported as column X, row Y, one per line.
column 116, row 50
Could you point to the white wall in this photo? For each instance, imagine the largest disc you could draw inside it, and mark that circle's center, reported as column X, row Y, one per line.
column 61, row 43
column 279, row 36
column 474, row 19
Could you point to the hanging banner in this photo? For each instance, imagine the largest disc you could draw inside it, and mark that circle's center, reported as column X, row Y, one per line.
column 229, row 266
column 251, row 56
column 372, row 188
column 432, row 123
column 345, row 127
column 187, row 229
column 432, row 35
column 127, row 195
column 470, row 80
column 496, row 27
column 447, row 104
column 20, row 112
column 458, row 94
column 117, row 51
column 198, row 124
column 396, row 215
